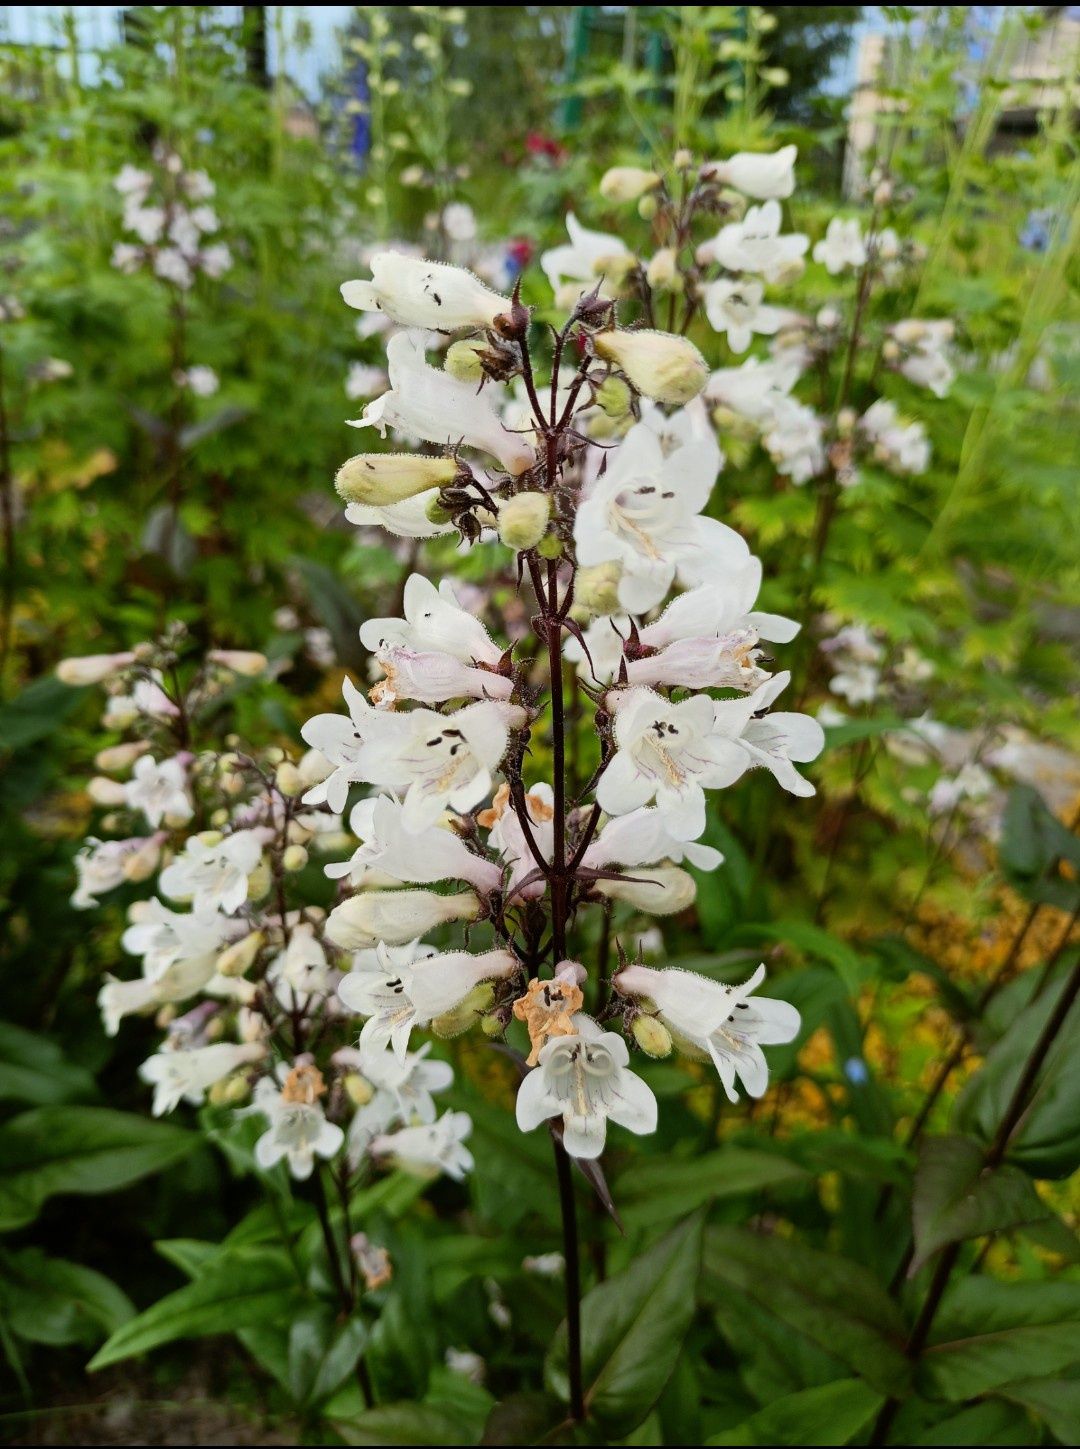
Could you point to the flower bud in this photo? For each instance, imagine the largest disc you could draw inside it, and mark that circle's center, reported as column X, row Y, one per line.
column 288, row 778
column 659, row 890
column 683, row 159
column 314, row 768
column 379, row 479
column 627, row 183
column 465, row 1013
column 550, row 546
column 662, row 273
column 358, row 1089
column 92, row 668
column 259, row 881
column 652, row 1036
column 462, row 360
column 523, row 519
column 141, row 864
column 614, row 397
column 240, row 956
column 596, row 588
column 104, row 791
column 294, row 858
column 659, row 364
column 229, row 1091
column 845, row 422
column 248, row 662
column 647, row 207
column 492, row 1024
column 395, row 917
column 120, row 757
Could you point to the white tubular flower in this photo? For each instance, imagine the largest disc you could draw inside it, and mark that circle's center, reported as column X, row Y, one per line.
column 901, row 446
column 644, row 513
column 92, row 668
column 755, row 245
column 298, row 1130
column 430, row 1149
column 434, row 620
column 427, row 403
column 431, row 678
column 102, row 865
column 184, row 1076
column 670, row 753
column 395, row 917
column 585, row 1080
column 414, row 292
column 214, row 877
column 720, row 608
column 396, row 993
column 439, row 760
column 794, row 439
column 341, row 741
column 661, row 365
column 159, row 790
column 403, row 1089
column 663, row 890
column 765, row 177
column 301, row 975
column 642, row 838
column 416, row 858
column 165, row 938
column 590, row 257
column 755, row 389
column 924, row 349
column 178, row 982
column 379, row 480
column 842, row 246
column 734, row 307
column 724, row 1021
column 726, row 661
column 773, row 741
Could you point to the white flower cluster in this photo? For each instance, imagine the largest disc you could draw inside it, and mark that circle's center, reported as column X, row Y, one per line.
column 245, row 984
column 169, row 213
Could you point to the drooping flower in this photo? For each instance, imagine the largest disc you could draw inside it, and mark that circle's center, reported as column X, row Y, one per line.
column 589, row 258
column 92, row 668
column 102, row 865
column 403, row 1089
column 734, row 307
column 185, row 1076
column 298, row 1131
column 395, row 917
column 661, row 365
column 438, row 1147
column 763, row 176
column 159, row 789
column 429, row 404
column 585, row 1079
column 841, row 247
column 642, row 838
column 213, row 875
column 396, row 993
column 164, row 938
column 414, row 292
column 644, row 512
column 773, row 740
column 725, row 1021
column 755, row 245
column 417, row 858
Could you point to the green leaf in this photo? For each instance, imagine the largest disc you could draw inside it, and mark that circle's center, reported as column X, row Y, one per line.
column 52, row 1150
column 1056, row 1401
column 990, row 1334
column 322, row 1353
column 526, row 1418
column 34, row 1071
column 991, row 1422
column 1047, row 1142
column 817, row 944
column 956, row 1198
column 239, row 1288
column 403, row 1423
column 835, row 1303
column 632, row 1328
column 653, row 1190
column 830, row 1414
column 190, row 1255
column 37, row 711
column 51, row 1301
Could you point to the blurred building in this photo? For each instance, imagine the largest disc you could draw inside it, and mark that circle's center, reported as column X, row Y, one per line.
column 1037, row 67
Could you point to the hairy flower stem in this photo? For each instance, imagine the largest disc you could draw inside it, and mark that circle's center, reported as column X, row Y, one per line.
column 994, row 1156
column 573, row 1281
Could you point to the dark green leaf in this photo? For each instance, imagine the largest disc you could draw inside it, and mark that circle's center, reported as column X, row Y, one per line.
column 632, row 1327
column 403, row 1423
column 829, row 1414
column 989, row 1334
column 654, row 1190
column 51, row 1301
column 956, row 1198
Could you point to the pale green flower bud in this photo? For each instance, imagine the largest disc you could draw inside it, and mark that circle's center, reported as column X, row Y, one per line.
column 652, row 1036
column 614, row 397
column 358, row 1089
column 380, row 479
column 120, row 757
column 462, row 360
column 647, row 207
column 662, row 273
column 259, row 881
column 627, row 183
column 294, row 858
column 659, row 364
column 523, row 519
column 465, row 1013
column 288, row 778
column 550, row 546
column 596, row 588
column 240, row 956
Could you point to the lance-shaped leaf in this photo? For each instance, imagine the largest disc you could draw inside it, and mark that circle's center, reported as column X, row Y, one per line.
column 239, row 1288
column 956, row 1198
column 989, row 1334
column 829, row 1414
column 632, row 1328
